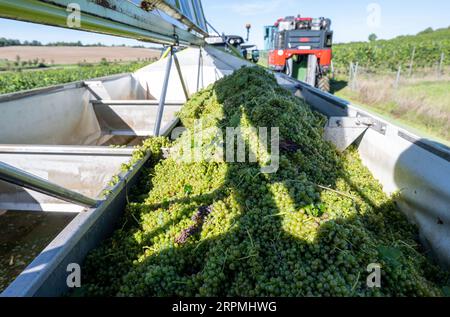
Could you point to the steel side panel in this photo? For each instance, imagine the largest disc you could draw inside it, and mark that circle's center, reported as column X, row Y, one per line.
column 46, row 276
column 63, row 117
column 422, row 180
column 132, row 118
column 60, row 117
column 86, row 174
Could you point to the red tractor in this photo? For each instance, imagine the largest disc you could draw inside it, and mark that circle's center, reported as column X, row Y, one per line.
column 302, row 48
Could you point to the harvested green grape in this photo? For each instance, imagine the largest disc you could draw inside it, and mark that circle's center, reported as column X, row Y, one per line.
column 215, row 228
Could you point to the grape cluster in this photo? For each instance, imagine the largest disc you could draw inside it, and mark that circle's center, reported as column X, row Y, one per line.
column 198, row 220
column 311, row 229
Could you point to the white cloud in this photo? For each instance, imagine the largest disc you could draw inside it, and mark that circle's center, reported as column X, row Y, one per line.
column 253, row 7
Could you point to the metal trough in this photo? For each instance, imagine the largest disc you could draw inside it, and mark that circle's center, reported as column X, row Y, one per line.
column 59, row 137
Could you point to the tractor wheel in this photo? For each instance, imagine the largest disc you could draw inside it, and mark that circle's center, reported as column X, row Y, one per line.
column 324, row 84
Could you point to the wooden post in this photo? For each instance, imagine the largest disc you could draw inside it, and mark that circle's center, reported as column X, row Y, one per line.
column 411, row 64
column 350, row 73
column 397, row 80
column 355, row 76
column 332, row 70
column 441, row 62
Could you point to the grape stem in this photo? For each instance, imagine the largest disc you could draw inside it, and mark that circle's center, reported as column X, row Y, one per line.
column 356, row 282
column 336, row 191
column 327, row 188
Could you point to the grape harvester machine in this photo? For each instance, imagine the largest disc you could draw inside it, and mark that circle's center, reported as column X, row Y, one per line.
column 302, row 48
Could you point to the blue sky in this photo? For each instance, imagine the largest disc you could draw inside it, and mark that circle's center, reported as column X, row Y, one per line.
column 350, row 19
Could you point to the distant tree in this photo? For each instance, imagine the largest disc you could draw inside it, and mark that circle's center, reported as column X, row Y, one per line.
column 426, row 31
column 9, row 42
column 373, row 37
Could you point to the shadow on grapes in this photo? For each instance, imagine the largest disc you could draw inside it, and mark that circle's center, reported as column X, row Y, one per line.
column 310, row 229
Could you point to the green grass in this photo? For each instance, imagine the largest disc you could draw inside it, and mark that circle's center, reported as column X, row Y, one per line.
column 3, row 64
column 422, row 107
column 437, row 93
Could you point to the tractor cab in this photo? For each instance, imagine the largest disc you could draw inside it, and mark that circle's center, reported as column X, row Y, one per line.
column 236, row 44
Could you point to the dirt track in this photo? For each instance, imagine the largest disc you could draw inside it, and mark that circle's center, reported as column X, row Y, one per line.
column 74, row 55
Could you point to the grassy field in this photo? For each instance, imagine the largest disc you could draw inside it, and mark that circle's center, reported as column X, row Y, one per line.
column 421, row 105
column 3, row 63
